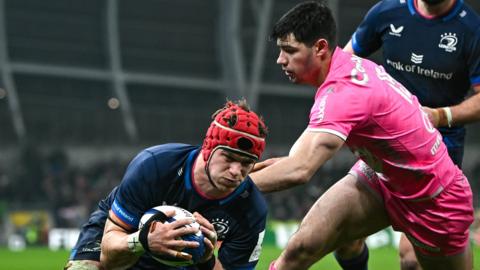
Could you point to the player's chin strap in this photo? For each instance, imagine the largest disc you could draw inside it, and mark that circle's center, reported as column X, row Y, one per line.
column 207, row 169
column 143, row 233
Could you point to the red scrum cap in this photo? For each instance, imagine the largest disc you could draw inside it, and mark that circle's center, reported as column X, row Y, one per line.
column 235, row 128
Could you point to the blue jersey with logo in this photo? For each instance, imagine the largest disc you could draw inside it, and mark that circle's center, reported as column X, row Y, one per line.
column 437, row 59
column 161, row 175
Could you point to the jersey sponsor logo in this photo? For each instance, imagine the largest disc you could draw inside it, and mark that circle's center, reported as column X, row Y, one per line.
column 396, row 31
column 416, row 58
column 258, row 248
column 427, row 72
column 448, row 41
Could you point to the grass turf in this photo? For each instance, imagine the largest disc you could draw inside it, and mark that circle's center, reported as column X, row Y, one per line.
column 44, row 259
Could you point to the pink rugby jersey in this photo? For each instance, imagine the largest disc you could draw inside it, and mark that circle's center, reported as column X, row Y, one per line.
column 383, row 124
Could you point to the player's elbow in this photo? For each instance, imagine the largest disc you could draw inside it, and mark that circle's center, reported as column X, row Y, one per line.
column 302, row 175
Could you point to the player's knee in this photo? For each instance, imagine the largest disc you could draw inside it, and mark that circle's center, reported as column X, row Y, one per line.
column 82, row 265
column 299, row 249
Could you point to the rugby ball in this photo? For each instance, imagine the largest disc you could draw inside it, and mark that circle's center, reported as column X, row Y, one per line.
column 180, row 213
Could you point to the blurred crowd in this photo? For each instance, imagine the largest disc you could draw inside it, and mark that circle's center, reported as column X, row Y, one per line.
column 49, row 182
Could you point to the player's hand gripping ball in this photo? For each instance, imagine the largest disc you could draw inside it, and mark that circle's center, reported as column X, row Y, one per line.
column 180, row 213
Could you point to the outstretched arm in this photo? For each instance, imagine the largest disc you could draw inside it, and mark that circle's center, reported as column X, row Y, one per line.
column 310, row 151
column 466, row 112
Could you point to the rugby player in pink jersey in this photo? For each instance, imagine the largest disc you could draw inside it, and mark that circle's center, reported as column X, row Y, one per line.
column 404, row 176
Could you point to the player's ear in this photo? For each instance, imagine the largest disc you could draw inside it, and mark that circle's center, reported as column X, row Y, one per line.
column 321, row 47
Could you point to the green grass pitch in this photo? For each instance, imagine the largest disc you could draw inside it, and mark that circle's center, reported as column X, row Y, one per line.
column 44, row 259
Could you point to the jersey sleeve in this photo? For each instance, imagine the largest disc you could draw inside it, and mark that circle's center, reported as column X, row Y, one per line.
column 134, row 194
column 366, row 39
column 339, row 110
column 473, row 59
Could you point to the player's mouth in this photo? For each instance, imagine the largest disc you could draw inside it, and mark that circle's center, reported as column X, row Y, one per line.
column 231, row 182
column 290, row 75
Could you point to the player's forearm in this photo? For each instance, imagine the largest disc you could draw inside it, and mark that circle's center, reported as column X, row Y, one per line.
column 116, row 253
column 264, row 179
column 308, row 153
column 288, row 172
column 466, row 112
column 281, row 176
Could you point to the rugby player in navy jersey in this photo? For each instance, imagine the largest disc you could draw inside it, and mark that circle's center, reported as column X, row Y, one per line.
column 432, row 47
column 210, row 181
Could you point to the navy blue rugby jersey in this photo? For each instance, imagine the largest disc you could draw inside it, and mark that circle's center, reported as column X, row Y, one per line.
column 161, row 175
column 437, row 59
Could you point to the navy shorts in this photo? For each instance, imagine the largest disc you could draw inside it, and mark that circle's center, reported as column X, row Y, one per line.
column 454, row 139
column 456, row 154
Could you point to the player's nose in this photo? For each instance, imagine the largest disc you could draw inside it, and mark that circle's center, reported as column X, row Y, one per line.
column 281, row 59
column 236, row 169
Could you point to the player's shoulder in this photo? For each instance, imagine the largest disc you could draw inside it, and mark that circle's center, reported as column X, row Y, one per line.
column 469, row 18
column 349, row 72
column 170, row 149
column 166, row 153
column 389, row 6
column 160, row 160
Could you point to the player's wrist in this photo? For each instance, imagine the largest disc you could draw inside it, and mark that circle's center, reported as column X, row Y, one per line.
column 442, row 117
column 134, row 244
column 448, row 115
